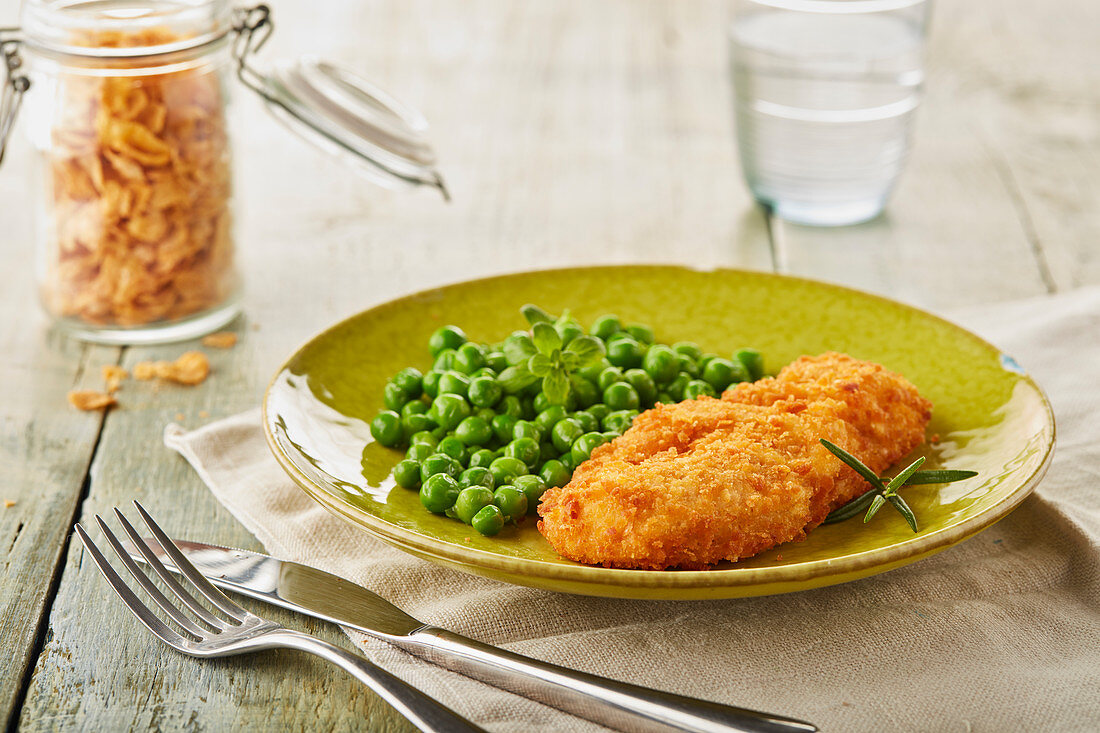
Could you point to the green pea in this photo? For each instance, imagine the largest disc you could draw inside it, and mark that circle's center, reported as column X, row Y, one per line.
column 415, row 407
column 643, row 384
column 528, row 404
column 721, row 373
column 549, row 417
column 448, row 410
column 454, row 383
column 533, row 487
column 565, row 432
column 609, row 436
column 416, row 423
column 469, row 358
column 485, row 413
column 568, row 330
column 444, row 361
column 546, row 452
column 584, row 392
column 525, row 449
column 506, row 468
column 455, row 448
column 583, row 446
column 418, row 452
column 625, row 352
column 587, row 420
column 621, row 396
column 503, row 425
column 483, row 372
column 689, row 365
column 482, row 458
column 394, row 397
column 642, row 334
column 476, row 476
column 511, row 405
column 665, row 398
column 439, row 432
column 676, row 386
column 489, row 521
column 598, row 411
column 568, row 462
column 485, row 391
column 470, row 501
column 386, row 428
column 431, row 383
column 439, row 493
column 661, row 363
column 689, row 349
column 526, row 429
column 407, row 474
column 474, row 431
column 511, row 501
column 496, row 361
column 697, row 388
column 608, row 377
column 619, row 421
column 592, row 373
column 410, row 380
column 554, row 473
column 445, row 337
column 606, row 326
column 424, row 437
column 438, row 463
column 753, row 362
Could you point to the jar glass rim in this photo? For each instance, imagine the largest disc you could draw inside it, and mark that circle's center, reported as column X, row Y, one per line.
column 56, row 26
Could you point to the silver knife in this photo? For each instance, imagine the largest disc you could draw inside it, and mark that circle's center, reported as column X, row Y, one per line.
column 331, row 598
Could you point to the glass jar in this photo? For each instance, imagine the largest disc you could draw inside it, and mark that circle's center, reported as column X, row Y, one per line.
column 125, row 104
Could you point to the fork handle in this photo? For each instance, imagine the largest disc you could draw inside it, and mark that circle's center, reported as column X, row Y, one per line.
column 615, row 704
column 421, row 710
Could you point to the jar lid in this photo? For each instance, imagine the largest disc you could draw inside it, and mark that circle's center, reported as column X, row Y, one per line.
column 338, row 111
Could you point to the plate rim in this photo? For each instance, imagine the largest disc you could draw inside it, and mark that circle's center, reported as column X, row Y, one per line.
column 732, row 578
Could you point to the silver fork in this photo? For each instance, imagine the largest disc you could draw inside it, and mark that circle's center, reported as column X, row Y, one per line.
column 207, row 635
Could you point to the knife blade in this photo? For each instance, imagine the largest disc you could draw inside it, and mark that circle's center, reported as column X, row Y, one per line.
column 329, row 597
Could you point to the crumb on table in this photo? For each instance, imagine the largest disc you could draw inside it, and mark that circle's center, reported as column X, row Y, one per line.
column 113, row 376
column 90, row 399
column 220, row 340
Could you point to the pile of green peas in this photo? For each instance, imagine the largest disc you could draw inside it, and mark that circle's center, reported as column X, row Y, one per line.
column 484, row 456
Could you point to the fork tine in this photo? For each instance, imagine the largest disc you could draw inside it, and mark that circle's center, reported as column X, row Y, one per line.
column 139, row 609
column 184, row 565
column 143, row 580
column 170, row 580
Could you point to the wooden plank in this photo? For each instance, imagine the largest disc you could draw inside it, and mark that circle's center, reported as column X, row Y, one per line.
column 45, row 445
column 570, row 133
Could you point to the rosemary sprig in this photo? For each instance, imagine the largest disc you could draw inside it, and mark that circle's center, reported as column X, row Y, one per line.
column 885, row 490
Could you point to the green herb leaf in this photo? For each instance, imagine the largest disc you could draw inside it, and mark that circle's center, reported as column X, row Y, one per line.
column 570, row 361
column 545, row 338
column 516, row 378
column 540, row 365
column 944, row 476
column 903, row 508
column 534, row 314
column 588, row 349
column 857, row 466
column 852, row 508
column 556, row 386
column 564, row 318
column 876, row 504
column 901, row 478
column 518, row 348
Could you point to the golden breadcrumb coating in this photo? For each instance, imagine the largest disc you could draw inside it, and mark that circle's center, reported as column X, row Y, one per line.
column 707, row 480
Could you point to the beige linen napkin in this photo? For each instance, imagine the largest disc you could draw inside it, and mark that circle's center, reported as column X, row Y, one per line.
column 999, row 633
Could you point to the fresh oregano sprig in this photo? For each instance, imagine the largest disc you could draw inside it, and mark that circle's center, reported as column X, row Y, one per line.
column 885, row 490
column 543, row 353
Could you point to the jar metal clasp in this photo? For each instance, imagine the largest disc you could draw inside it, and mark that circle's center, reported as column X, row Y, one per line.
column 15, row 83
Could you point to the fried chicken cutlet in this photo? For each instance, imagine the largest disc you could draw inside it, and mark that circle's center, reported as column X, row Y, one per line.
column 706, row 480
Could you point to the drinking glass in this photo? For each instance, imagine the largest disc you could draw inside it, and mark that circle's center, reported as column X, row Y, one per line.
column 825, row 92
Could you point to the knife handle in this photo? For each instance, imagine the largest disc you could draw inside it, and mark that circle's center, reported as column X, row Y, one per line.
column 608, row 702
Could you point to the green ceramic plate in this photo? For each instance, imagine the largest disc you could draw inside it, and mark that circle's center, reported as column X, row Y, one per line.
column 989, row 415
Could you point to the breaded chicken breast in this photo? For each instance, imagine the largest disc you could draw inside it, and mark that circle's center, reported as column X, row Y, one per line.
column 707, row 480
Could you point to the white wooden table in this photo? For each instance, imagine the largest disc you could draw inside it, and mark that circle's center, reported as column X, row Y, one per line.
column 571, row 132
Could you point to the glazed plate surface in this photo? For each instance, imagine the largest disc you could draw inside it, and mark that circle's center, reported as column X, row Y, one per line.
column 988, row 414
